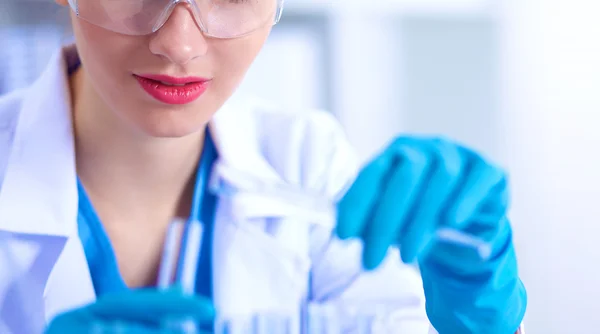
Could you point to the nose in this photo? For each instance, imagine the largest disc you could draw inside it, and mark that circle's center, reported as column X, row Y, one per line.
column 180, row 40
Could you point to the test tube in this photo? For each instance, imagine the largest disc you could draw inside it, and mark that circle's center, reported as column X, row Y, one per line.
column 227, row 181
column 235, row 325
column 179, row 265
column 269, row 323
column 170, row 256
column 181, row 251
column 322, row 319
column 259, row 323
column 349, row 317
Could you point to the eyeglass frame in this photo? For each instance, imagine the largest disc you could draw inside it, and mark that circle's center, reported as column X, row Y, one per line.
column 167, row 12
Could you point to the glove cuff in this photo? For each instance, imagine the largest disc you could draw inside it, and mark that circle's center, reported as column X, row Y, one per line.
column 460, row 311
column 484, row 297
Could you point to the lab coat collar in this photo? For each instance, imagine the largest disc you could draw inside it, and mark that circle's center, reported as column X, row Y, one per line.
column 238, row 140
column 39, row 178
column 239, row 131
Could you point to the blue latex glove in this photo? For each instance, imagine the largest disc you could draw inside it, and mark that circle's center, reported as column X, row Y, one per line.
column 135, row 312
column 417, row 186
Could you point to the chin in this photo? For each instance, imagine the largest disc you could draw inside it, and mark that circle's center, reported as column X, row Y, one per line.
column 174, row 123
column 167, row 130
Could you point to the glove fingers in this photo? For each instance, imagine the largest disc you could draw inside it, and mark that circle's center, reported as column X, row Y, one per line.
column 355, row 206
column 400, row 190
column 487, row 222
column 494, row 206
column 419, row 232
column 152, row 305
column 479, row 180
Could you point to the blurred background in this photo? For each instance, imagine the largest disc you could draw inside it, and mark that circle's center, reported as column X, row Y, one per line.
column 516, row 79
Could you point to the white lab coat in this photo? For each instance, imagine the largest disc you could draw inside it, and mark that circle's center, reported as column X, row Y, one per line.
column 264, row 256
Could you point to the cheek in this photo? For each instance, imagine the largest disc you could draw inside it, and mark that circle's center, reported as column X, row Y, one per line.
column 236, row 56
column 98, row 48
column 104, row 54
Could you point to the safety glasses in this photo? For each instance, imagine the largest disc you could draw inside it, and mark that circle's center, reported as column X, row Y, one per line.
column 216, row 18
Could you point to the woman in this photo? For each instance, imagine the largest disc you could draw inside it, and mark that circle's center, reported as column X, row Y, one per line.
column 118, row 137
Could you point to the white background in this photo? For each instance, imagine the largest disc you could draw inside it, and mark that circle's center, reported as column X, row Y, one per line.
column 516, row 79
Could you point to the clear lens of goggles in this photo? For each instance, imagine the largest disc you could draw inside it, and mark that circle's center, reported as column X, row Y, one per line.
column 216, row 18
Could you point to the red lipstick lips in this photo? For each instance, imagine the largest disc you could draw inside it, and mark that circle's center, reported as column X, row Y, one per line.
column 172, row 90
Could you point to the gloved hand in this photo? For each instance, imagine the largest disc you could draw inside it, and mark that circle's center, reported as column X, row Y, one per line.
column 135, row 312
column 405, row 195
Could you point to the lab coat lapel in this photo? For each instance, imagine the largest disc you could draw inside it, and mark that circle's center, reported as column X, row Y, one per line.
column 40, row 171
column 252, row 270
column 38, row 199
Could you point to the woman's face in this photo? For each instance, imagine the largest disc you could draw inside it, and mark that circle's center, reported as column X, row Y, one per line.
column 113, row 63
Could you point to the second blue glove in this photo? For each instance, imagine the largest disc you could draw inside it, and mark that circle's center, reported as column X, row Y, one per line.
column 135, row 312
column 417, row 186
